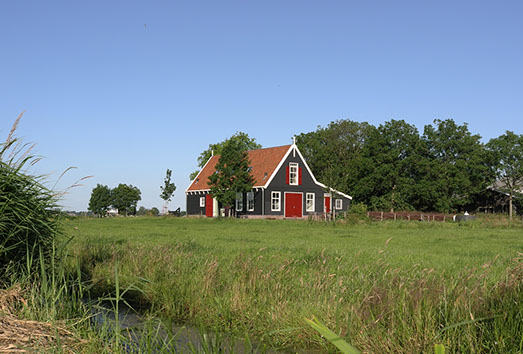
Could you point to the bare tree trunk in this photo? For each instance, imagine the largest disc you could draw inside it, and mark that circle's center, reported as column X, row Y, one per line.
column 510, row 207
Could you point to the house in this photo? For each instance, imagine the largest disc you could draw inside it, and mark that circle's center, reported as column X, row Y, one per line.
column 284, row 187
column 496, row 198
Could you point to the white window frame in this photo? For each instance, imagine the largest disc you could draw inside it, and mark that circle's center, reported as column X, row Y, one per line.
column 276, row 196
column 239, row 202
column 313, row 199
column 202, row 202
column 293, row 173
column 340, row 205
column 250, row 201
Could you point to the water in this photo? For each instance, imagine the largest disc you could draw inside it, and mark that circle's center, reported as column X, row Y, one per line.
column 141, row 334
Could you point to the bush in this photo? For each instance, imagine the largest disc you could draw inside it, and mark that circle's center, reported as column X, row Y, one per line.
column 28, row 213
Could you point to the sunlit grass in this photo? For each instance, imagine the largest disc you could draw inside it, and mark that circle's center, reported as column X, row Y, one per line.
column 393, row 285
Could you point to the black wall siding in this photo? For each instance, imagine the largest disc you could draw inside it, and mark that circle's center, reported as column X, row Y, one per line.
column 193, row 204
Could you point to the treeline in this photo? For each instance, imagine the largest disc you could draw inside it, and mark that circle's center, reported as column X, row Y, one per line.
column 124, row 198
column 395, row 167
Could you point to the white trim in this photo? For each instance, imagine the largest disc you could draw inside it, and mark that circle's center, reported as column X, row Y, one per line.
column 334, row 191
column 278, row 167
column 195, row 178
column 294, row 147
column 279, row 203
column 313, row 202
column 239, row 200
column 336, row 203
column 253, row 205
column 285, row 203
column 297, row 174
column 202, row 199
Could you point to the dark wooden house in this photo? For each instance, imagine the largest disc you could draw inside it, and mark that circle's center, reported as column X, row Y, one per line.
column 284, row 187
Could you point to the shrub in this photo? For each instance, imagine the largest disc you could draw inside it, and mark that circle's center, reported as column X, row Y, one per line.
column 28, row 211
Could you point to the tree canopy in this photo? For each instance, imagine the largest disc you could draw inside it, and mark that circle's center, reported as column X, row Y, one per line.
column 232, row 173
column 167, row 189
column 394, row 167
column 125, row 198
column 101, row 200
column 506, row 153
column 242, row 141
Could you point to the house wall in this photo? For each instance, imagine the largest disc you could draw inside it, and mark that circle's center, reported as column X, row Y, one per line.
column 193, row 204
column 258, row 202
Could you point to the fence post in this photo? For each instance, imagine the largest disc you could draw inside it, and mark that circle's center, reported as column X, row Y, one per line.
column 394, row 216
column 381, row 216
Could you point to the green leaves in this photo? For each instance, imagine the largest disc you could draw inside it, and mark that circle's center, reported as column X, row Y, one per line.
column 332, row 337
column 167, row 189
column 125, row 198
column 506, row 160
column 241, row 140
column 232, row 176
column 393, row 167
column 101, row 199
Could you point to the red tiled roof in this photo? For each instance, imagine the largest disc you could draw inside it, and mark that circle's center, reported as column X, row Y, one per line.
column 263, row 161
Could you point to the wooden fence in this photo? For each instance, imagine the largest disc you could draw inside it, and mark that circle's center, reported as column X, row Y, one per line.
column 411, row 216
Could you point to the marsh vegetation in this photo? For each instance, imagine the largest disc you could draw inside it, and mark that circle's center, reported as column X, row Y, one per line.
column 394, row 286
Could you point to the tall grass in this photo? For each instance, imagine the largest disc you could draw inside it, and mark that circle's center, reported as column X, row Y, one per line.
column 28, row 212
column 381, row 290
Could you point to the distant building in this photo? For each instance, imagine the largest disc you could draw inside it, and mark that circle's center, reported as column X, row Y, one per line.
column 112, row 211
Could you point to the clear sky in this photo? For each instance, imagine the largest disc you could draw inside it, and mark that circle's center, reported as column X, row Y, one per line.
column 124, row 90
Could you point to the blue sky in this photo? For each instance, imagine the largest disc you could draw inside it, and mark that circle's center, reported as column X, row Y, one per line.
column 124, row 90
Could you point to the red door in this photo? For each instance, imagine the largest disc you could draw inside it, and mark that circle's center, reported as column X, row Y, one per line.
column 327, row 204
column 208, row 205
column 293, row 205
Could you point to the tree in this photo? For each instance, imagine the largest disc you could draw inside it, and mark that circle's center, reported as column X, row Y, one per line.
column 507, row 157
column 241, row 139
column 335, row 153
column 154, row 211
column 125, row 198
column 391, row 155
column 101, row 200
column 456, row 171
column 167, row 190
column 232, row 173
column 141, row 211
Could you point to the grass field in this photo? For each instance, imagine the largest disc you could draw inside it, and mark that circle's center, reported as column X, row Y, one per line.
column 385, row 287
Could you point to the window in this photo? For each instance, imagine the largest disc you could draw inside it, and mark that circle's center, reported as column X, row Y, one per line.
column 293, row 173
column 202, row 202
column 310, row 202
column 339, row 204
column 239, row 202
column 275, row 201
column 250, row 201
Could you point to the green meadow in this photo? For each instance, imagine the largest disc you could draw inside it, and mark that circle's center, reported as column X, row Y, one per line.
column 384, row 287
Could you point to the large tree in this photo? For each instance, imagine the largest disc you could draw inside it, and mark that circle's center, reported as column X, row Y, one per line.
column 335, row 153
column 242, row 140
column 232, row 174
column 392, row 155
column 101, row 200
column 456, row 172
column 507, row 156
column 125, row 198
column 167, row 189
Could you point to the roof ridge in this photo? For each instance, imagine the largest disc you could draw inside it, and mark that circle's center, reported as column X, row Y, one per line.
column 272, row 147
